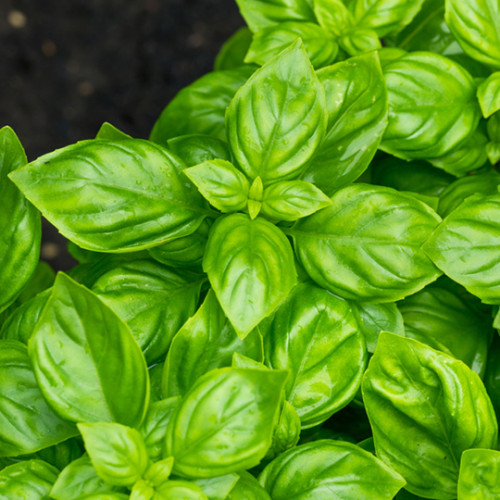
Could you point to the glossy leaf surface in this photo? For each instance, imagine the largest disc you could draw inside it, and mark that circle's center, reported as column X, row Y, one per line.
column 193, row 149
column 488, row 94
column 248, row 488
column 234, row 50
column 479, row 477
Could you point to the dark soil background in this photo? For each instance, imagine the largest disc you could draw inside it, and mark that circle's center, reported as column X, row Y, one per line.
column 66, row 66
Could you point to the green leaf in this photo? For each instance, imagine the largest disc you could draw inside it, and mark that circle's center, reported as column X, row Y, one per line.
column 276, row 120
column 117, row 452
column 287, row 431
column 87, row 363
column 251, row 268
column 27, row 480
column 425, row 409
column 200, row 107
column 357, row 117
column 153, row 300
column 479, row 477
column 225, row 422
column 217, row 488
column 205, row 342
column 465, row 246
column 259, row 14
column 197, row 148
column 315, row 336
column 333, row 16
column 432, row 106
column 234, row 50
column 27, row 423
column 179, row 489
column 113, row 196
column 109, row 131
column 488, row 94
column 367, row 244
column 329, row 470
column 221, row 183
column 19, row 224
column 268, row 42
column 360, row 40
column 248, row 488
column 492, row 375
column 159, row 472
column 476, row 26
column 291, row 200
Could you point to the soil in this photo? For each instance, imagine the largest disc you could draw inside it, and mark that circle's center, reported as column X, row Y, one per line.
column 68, row 66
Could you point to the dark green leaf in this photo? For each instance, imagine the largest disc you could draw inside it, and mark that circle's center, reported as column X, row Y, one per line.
column 197, row 148
column 109, row 131
column 28, row 480
column 234, row 50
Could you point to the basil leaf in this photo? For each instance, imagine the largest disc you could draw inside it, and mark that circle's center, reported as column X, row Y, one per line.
column 109, row 131
column 221, row 183
column 432, row 106
column 85, row 189
column 329, row 470
column 251, row 268
column 61, row 454
column 107, row 379
column 334, row 16
column 360, row 40
column 205, row 342
column 234, row 50
column 286, row 433
column 492, row 375
column 29, row 480
column 261, row 13
column 225, row 422
column 200, row 107
column 217, row 488
column 291, row 200
column 386, row 227
column 476, row 26
column 248, row 488
column 197, row 148
column 27, row 423
column 420, row 402
column 488, row 94
column 179, row 489
column 117, row 452
column 465, row 246
column 152, row 299
column 479, row 475
column 19, row 223
column 268, row 42
column 357, row 118
column 274, row 133
column 315, row 336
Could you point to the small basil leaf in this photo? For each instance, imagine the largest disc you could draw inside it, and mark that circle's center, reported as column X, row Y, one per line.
column 479, row 476
column 225, row 422
column 435, row 83
column 329, row 470
column 107, row 378
column 269, row 42
column 27, row 423
column 286, row 433
column 333, row 16
column 234, row 50
column 276, row 120
column 291, row 200
column 219, row 487
column 493, row 152
column 221, row 183
column 315, row 336
column 476, row 26
column 179, row 489
column 386, row 227
column 488, row 94
column 357, row 117
column 109, row 131
column 159, row 472
column 360, row 40
column 251, row 268
column 19, row 224
column 199, row 108
column 205, row 342
column 465, row 246
column 117, row 452
column 420, row 402
column 248, row 488
column 197, row 148
column 113, row 196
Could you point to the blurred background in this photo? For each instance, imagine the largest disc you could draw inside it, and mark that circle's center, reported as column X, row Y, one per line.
column 66, row 66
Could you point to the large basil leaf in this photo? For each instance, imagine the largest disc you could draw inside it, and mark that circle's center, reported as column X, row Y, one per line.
column 432, row 106
column 225, row 422
column 277, row 120
column 113, row 196
column 465, row 246
column 261, row 13
column 233, row 52
column 87, row 363
column 425, row 409
column 315, row 336
column 367, row 244
column 27, row 423
column 207, row 341
column 329, row 470
column 357, row 117
column 29, row 480
column 479, row 477
column 476, row 26
column 251, row 268
column 200, row 107
column 20, row 225
column 152, row 299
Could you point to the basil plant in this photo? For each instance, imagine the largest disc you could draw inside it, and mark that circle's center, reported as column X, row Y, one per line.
column 290, row 290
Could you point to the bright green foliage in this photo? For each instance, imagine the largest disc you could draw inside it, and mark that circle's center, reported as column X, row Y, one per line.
column 479, row 477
